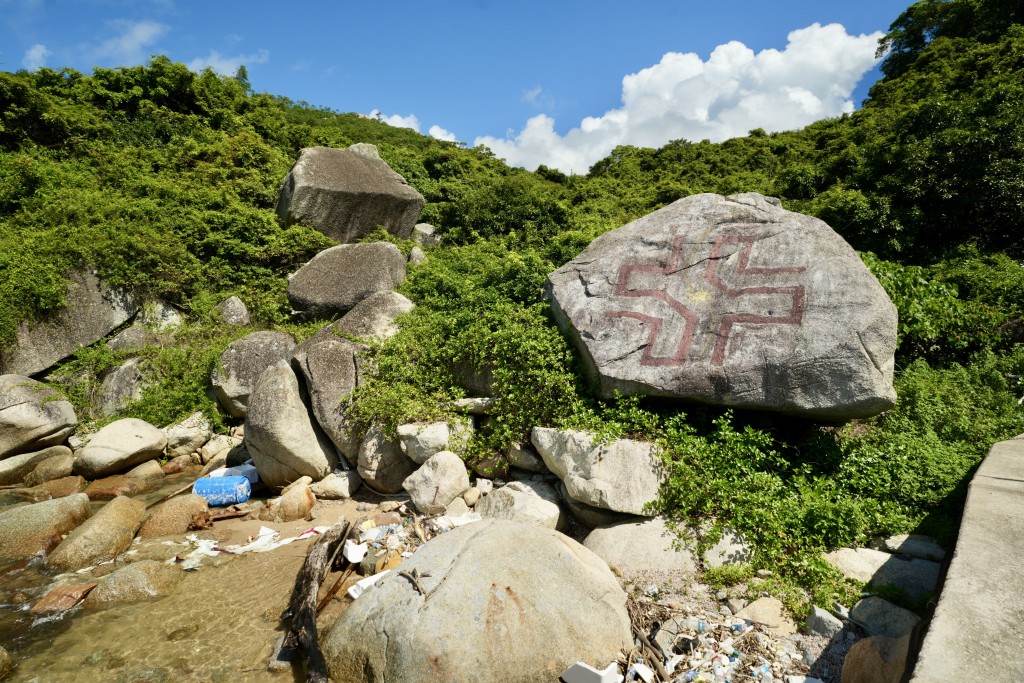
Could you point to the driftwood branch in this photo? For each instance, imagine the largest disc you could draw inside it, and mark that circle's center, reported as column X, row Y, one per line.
column 303, row 604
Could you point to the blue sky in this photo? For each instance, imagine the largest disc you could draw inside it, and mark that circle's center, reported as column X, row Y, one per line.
column 557, row 82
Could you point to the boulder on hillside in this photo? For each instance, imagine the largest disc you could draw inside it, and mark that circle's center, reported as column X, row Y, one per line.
column 917, row 577
column 34, row 529
column 102, row 537
column 374, row 317
column 280, row 434
column 242, row 363
column 382, row 464
column 486, row 614
column 32, row 416
column 425, row 235
column 92, row 311
column 331, row 369
column 119, row 446
column 420, row 441
column 731, row 301
column 15, row 468
column 623, row 475
column 347, row 193
column 641, row 545
column 337, row 279
column 232, row 311
column 120, row 386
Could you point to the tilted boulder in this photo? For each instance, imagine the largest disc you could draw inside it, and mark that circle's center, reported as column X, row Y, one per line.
column 32, row 416
column 374, row 317
column 440, row 479
column 731, row 301
column 34, row 529
column 138, row 581
column 15, row 468
column 176, row 516
column 524, row 501
column 534, row 611
column 623, row 475
column 382, row 464
column 331, row 369
column 337, row 279
column 188, row 436
column 121, row 386
column 242, row 363
column 102, row 537
column 281, row 435
column 347, row 193
column 119, row 446
column 56, row 466
column 91, row 312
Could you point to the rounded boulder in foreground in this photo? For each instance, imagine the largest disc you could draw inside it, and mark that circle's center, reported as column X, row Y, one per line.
column 489, row 614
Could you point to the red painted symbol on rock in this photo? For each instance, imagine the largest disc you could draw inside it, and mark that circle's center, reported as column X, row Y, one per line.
column 719, row 289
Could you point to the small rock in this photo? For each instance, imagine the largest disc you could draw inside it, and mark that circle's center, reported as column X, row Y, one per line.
column 471, row 496
column 882, row 618
column 735, row 604
column 188, row 436
column 382, row 464
column 177, row 464
column 474, row 406
column 821, row 623
column 297, row 503
column 56, row 467
column 416, row 256
column 7, row 663
column 175, row 516
column 62, row 598
column 420, row 441
column 876, row 660
column 437, row 482
column 58, row 488
column 109, row 488
column 365, row 507
column 525, row 458
column 771, row 613
column 232, row 311
column 150, row 469
column 338, row 486
column 301, row 481
column 914, row 545
column 590, row 516
column 217, row 444
column 142, row 580
column 524, row 501
column 721, row 595
column 457, row 507
column 425, row 235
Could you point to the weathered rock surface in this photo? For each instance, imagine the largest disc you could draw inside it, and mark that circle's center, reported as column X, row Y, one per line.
column 623, row 475
column 772, row 613
column 876, row 660
column 218, row 443
column 346, row 194
column 882, row 618
column 232, row 311
column 731, row 301
column 525, row 458
column 374, row 317
column 421, row 441
column 15, row 468
column 645, row 544
column 102, row 537
column 242, row 363
column 32, row 416
column 917, row 577
column 176, row 516
column 730, row 548
column 188, row 436
column 33, row 529
column 337, row 485
column 534, row 612
column 524, row 501
column 590, row 516
column 280, row 434
column 149, row 470
column 382, row 464
column 118, row 446
column 142, row 580
column 914, row 545
column 121, row 386
column 62, row 598
column 132, row 338
column 440, row 480
column 337, row 279
column 425, row 235
column 330, row 367
column 109, row 488
column 93, row 310
column 416, row 256
column 7, row 663
column 821, row 623
column 55, row 467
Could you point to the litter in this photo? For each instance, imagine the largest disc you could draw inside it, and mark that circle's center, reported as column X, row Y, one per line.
column 223, row 490
column 246, row 469
column 354, row 552
column 580, row 672
column 645, row 673
column 359, row 587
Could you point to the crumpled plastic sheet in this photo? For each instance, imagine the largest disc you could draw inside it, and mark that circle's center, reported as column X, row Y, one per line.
column 265, row 541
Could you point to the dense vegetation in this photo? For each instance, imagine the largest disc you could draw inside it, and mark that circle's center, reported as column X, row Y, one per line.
column 165, row 181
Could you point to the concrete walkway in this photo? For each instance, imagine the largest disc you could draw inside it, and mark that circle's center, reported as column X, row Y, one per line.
column 977, row 632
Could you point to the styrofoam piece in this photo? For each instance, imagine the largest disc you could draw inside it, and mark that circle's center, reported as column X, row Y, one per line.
column 247, row 470
column 359, row 587
column 581, row 672
column 354, row 552
column 645, row 672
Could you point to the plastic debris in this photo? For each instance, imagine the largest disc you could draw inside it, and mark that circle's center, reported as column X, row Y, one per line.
column 246, row 469
column 580, row 672
column 354, row 552
column 223, row 490
column 359, row 587
column 645, row 672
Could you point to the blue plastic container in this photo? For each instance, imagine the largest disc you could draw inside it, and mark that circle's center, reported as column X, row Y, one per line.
column 223, row 490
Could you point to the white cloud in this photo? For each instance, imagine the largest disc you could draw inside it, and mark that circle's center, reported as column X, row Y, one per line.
column 685, row 97
column 131, row 45
column 396, row 120
column 227, row 65
column 441, row 134
column 35, row 57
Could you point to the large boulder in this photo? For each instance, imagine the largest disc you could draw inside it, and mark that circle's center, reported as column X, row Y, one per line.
column 119, row 446
column 623, row 475
column 121, row 386
column 92, row 310
column 337, row 279
column 102, row 537
column 438, row 482
column 188, row 436
column 524, row 501
column 420, row 441
column 374, row 317
column 331, row 369
column 56, row 466
column 382, row 464
column 242, row 363
column 917, row 577
column 641, row 545
column 731, row 301
column 284, row 441
column 175, row 516
column 485, row 614
column 32, row 416
column 347, row 193
column 34, row 529
column 15, row 468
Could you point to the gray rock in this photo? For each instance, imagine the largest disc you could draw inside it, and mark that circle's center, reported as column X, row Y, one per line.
column 32, row 416
column 440, row 480
column 337, row 485
column 161, row 317
column 374, row 317
column 92, row 311
column 232, row 311
column 420, row 441
column 382, row 464
column 15, row 468
column 731, row 548
column 877, row 659
column 53, row 467
column 525, row 458
column 416, row 256
column 917, row 577
column 121, row 386
column 425, row 235
column 479, row 405
column 331, row 369
column 216, row 445
column 882, row 618
column 771, row 613
column 731, row 301
column 35, row 529
column 524, row 501
column 132, row 338
column 646, row 544
column 188, row 436
column 346, row 194
column 471, row 496
column 914, row 545
column 458, row 506
column 821, row 623
column 551, row 596
column 150, row 469
column 242, row 363
column 102, row 537
column 337, row 279
column 176, row 516
column 139, row 581
column 623, row 475
column 119, row 446
column 590, row 516
column 280, row 434
column 735, row 605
